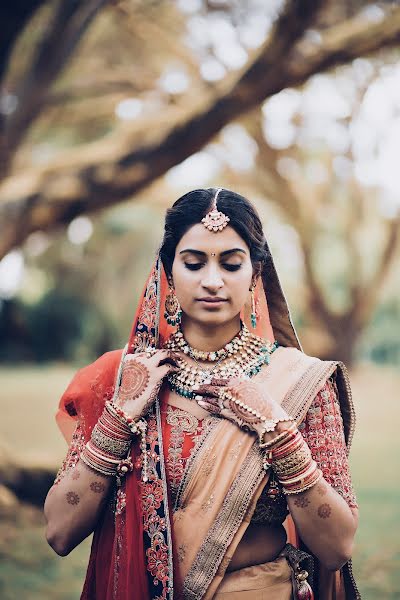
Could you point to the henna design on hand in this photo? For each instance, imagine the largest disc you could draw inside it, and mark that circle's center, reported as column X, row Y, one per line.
column 75, row 474
column 135, row 379
column 209, row 390
column 151, row 399
column 243, row 390
column 97, row 487
column 209, row 405
column 72, row 498
column 301, row 502
column 324, row 511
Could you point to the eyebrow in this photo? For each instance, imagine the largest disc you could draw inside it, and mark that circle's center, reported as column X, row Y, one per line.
column 201, row 253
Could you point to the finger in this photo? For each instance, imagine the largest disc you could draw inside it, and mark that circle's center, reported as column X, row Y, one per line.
column 163, row 370
column 211, row 408
column 170, row 360
column 207, row 390
column 215, row 402
column 219, row 382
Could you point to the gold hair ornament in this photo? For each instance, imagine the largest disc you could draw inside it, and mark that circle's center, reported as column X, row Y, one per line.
column 215, row 220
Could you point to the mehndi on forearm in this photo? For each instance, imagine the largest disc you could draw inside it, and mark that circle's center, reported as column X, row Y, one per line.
column 76, row 500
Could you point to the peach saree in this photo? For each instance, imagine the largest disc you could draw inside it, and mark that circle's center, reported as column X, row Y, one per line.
column 143, row 546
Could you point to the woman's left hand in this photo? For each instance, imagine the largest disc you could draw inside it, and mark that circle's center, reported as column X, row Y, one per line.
column 244, row 402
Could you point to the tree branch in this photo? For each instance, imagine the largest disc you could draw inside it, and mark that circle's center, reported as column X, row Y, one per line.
column 368, row 294
column 70, row 21
column 101, row 174
column 13, row 19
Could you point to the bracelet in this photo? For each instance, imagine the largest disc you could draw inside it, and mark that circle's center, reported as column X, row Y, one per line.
column 290, row 458
column 305, row 484
column 282, row 437
column 110, row 441
column 268, row 425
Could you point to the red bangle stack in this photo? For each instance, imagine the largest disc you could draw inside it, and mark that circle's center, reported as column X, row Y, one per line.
column 290, row 458
column 110, row 442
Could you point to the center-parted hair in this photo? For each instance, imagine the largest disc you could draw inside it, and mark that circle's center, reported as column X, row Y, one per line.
column 189, row 209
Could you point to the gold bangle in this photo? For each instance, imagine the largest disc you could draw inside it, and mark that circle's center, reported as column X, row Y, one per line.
column 272, row 443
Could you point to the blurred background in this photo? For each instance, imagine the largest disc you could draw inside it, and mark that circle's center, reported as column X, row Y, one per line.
column 109, row 111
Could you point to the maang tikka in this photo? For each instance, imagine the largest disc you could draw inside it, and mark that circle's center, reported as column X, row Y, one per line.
column 215, row 220
column 173, row 312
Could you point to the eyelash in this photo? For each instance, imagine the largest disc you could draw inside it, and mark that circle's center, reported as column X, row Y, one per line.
column 197, row 266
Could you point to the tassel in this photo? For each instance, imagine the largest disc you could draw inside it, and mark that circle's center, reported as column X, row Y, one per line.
column 304, row 591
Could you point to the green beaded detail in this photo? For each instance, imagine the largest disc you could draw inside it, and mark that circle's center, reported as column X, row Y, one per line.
column 173, row 320
column 263, row 359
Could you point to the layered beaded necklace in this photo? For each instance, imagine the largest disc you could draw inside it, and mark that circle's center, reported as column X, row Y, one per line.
column 245, row 354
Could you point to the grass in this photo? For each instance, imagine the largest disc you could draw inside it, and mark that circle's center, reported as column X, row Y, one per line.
column 29, row 569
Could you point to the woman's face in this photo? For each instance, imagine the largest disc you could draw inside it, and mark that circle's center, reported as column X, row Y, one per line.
column 212, row 274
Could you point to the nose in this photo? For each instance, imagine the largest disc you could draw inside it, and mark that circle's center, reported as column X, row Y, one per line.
column 212, row 279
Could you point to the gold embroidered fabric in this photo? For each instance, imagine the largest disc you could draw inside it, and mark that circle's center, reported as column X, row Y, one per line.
column 323, row 431
column 183, row 424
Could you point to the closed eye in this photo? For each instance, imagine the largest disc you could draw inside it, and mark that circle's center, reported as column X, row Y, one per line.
column 197, row 266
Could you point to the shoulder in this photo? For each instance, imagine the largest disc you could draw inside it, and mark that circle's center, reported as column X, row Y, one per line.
column 93, row 383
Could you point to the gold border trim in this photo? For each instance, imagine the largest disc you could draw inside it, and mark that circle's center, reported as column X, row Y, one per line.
column 221, row 533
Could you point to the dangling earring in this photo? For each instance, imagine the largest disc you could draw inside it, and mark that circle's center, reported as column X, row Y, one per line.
column 173, row 312
column 253, row 315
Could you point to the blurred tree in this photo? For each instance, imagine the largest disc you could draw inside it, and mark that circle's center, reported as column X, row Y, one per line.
column 337, row 219
column 118, row 164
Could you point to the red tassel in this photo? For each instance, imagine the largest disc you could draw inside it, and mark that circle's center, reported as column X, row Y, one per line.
column 304, row 591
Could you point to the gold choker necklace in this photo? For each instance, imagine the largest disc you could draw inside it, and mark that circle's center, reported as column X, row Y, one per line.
column 178, row 343
column 245, row 362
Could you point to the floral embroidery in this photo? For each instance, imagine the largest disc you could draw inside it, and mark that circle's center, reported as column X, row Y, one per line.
column 205, row 507
column 182, row 423
column 153, row 493
column 323, row 431
column 234, row 452
column 209, row 460
column 121, row 502
column 156, row 562
column 154, row 521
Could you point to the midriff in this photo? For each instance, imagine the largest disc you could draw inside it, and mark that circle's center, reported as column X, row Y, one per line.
column 260, row 544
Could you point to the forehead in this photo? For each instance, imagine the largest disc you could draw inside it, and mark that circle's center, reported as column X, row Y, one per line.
column 200, row 238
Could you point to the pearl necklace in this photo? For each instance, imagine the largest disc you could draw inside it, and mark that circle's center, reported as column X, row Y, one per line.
column 245, row 363
column 178, row 343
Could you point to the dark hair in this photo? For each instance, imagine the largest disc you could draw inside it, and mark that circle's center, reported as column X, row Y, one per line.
column 189, row 209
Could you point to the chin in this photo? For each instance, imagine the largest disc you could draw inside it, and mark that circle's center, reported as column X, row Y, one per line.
column 212, row 319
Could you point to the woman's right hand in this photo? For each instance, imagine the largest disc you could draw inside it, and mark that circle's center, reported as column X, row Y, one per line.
column 141, row 379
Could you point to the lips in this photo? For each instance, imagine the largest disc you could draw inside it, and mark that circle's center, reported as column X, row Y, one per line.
column 212, row 300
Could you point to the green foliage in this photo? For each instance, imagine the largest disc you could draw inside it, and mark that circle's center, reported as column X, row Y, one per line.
column 61, row 326
column 381, row 342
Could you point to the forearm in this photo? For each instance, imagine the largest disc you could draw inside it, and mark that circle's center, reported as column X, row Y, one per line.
column 73, row 507
column 325, row 523
column 324, row 520
column 74, row 503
